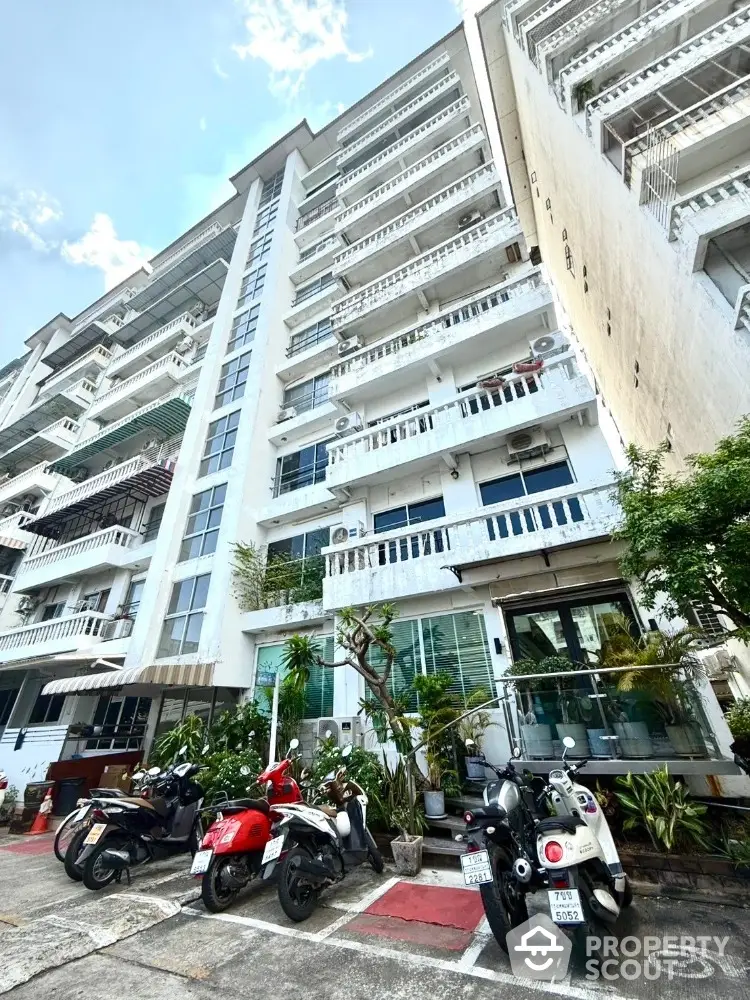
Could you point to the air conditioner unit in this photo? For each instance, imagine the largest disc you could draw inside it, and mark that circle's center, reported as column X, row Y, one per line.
column 185, row 345
column 349, row 345
column 341, row 533
column 8, row 509
column 79, row 475
column 111, row 463
column 286, row 413
column 526, row 444
column 343, row 729
column 121, row 628
column 548, row 344
column 150, row 443
column 348, row 424
column 470, row 219
column 28, row 501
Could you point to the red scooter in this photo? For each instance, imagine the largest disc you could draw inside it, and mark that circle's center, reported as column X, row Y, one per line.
column 231, row 852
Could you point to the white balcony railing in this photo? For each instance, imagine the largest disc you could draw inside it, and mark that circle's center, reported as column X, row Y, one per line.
column 430, row 266
column 123, row 389
column 393, row 96
column 402, row 146
column 398, row 185
column 118, row 473
column 202, row 237
column 88, row 624
column 6, row 582
column 416, row 560
column 186, row 321
column 15, row 522
column 577, row 25
column 432, row 209
column 392, row 122
column 98, row 355
column 19, row 482
column 482, row 310
column 118, row 536
column 736, row 183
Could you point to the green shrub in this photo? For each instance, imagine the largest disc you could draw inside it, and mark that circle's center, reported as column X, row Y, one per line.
column 738, row 718
column 662, row 807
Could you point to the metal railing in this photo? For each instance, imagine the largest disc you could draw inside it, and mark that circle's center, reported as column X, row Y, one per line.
column 100, row 355
column 186, row 319
column 308, row 338
column 316, row 213
column 89, row 623
column 314, row 288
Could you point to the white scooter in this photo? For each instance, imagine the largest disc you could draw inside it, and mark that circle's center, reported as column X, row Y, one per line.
column 3, row 787
column 576, row 848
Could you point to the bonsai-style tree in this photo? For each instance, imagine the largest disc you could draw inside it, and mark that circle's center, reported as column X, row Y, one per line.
column 359, row 633
column 688, row 535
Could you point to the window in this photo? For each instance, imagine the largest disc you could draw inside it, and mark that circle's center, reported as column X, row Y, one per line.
column 271, row 188
column 7, row 701
column 203, row 522
column 219, row 444
column 303, row 468
column 233, row 380
column 307, row 291
column 200, row 353
column 412, row 513
column 53, row 611
column 184, row 619
column 97, row 601
column 307, row 395
column 47, row 709
column 178, row 703
column 259, row 249
column 397, row 550
column 133, row 598
column 309, row 337
column 156, row 514
column 243, row 329
column 545, row 477
column 577, row 628
column 301, row 546
column 252, row 284
column 295, row 565
column 454, row 644
column 266, row 217
column 319, row 685
column 123, row 723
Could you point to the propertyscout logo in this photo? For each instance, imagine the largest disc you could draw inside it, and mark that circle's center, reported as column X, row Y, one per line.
column 539, row 949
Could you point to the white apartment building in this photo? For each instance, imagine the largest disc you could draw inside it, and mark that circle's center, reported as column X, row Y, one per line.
column 353, row 363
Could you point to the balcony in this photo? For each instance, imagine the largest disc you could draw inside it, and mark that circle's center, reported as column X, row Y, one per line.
column 446, row 123
column 474, row 420
column 312, row 299
column 101, row 550
column 398, row 118
column 153, row 346
column 59, row 635
column 69, row 402
column 439, row 272
column 579, row 32
column 735, row 185
column 506, row 313
column 167, row 416
column 440, row 167
column 89, row 367
column 316, row 257
column 187, row 247
column 409, row 562
column 312, row 224
column 385, row 104
column 433, row 220
column 146, row 385
column 46, row 444
column 36, row 480
column 296, row 505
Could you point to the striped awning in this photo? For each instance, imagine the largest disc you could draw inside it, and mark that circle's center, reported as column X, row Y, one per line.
column 11, row 543
column 177, row 674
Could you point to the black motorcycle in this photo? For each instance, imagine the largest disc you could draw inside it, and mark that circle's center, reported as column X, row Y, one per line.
column 132, row 831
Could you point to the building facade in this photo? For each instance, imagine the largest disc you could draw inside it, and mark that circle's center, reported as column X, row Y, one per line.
column 354, row 368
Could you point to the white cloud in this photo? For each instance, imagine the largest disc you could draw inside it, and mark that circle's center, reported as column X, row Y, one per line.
column 203, row 124
column 292, row 36
column 100, row 247
column 25, row 212
column 221, row 73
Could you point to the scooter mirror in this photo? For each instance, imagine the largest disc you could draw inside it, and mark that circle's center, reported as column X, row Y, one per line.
column 569, row 742
column 245, row 770
column 328, row 734
column 469, row 742
column 293, row 744
column 182, row 751
column 153, row 771
column 347, row 750
column 516, row 752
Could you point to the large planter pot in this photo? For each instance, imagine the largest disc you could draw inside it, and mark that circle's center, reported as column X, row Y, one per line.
column 600, row 745
column 434, row 805
column 634, row 740
column 687, row 740
column 474, row 768
column 538, row 741
column 578, row 731
column 407, row 854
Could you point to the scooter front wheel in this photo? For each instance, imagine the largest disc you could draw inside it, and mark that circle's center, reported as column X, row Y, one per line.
column 297, row 897
column 216, row 896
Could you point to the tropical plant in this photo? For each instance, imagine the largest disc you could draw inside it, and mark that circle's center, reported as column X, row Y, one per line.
column 189, row 733
column 687, row 535
column 573, row 707
column 438, row 709
column 738, row 718
column 359, row 633
column 267, row 581
column 389, row 804
column 362, row 766
column 9, row 804
column 662, row 807
column 736, row 851
column 244, row 727
column 230, row 771
column 291, row 711
column 474, row 726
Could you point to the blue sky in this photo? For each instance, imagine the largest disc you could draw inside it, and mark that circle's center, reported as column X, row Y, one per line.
column 120, row 121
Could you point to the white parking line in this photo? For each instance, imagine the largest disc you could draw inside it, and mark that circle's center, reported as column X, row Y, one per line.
column 355, row 908
column 482, row 935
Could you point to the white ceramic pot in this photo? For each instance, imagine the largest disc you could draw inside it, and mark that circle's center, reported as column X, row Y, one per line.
column 687, row 740
column 578, row 731
column 434, row 805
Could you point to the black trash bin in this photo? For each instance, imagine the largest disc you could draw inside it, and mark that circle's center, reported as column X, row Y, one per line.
column 68, row 793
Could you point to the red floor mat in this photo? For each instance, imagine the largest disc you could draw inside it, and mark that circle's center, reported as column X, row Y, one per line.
column 411, row 931
column 41, row 844
column 430, row 904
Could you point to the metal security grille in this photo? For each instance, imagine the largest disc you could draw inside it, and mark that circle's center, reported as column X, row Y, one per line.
column 659, row 188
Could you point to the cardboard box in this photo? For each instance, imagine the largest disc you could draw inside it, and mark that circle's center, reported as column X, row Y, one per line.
column 116, row 776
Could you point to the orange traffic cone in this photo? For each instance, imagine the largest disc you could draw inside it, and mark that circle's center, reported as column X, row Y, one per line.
column 41, row 820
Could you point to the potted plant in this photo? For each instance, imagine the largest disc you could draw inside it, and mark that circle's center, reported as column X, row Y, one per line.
column 390, row 805
column 536, row 736
column 437, row 709
column 738, row 720
column 471, row 732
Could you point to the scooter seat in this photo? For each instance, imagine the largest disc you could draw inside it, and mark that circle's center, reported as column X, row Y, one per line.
column 239, row 805
column 493, row 811
column 107, row 793
column 568, row 823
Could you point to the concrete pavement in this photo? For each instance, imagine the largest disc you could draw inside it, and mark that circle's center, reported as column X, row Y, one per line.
column 155, row 939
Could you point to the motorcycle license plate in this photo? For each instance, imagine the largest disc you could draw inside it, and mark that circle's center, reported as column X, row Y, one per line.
column 201, row 862
column 95, row 833
column 565, row 906
column 273, row 849
column 476, row 867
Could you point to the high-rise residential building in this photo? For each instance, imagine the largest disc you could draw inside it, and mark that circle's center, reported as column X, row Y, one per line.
column 355, row 368
column 626, row 126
